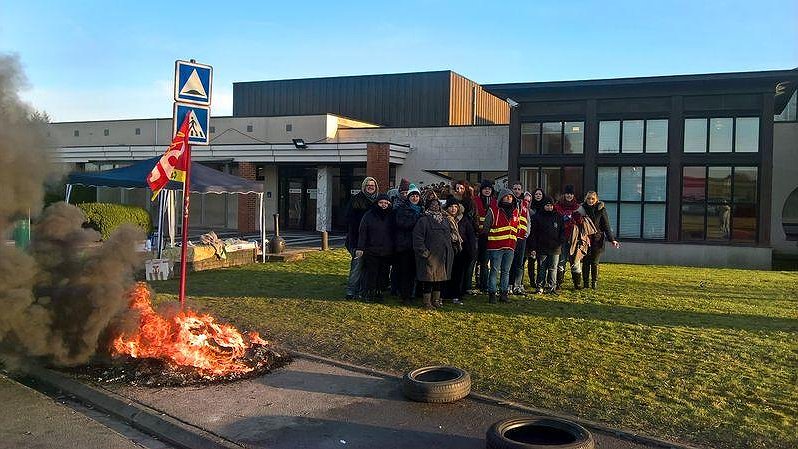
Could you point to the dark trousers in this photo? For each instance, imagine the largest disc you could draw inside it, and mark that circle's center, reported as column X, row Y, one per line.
column 482, row 259
column 517, row 268
column 376, row 273
column 531, row 270
column 429, row 287
column 468, row 277
column 404, row 270
column 454, row 286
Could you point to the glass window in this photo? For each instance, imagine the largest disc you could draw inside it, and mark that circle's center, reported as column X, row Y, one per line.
column 744, row 219
column 631, row 183
column 629, row 223
column 608, row 183
column 552, row 179
column 720, row 135
column 530, row 138
column 693, row 221
column 552, row 138
column 573, row 176
column 529, row 176
column 612, row 213
column 693, row 184
column 790, row 112
column 609, row 136
column 718, row 221
column 719, row 183
column 574, row 137
column 695, row 135
column 746, row 135
column 653, row 220
column 656, row 136
column 745, row 185
column 632, row 136
column 656, row 183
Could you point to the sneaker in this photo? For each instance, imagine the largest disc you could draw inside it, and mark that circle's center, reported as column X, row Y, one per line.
column 457, row 302
column 538, row 291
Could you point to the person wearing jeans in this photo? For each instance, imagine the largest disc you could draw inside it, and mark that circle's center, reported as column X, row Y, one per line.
column 501, row 225
column 519, row 256
column 549, row 234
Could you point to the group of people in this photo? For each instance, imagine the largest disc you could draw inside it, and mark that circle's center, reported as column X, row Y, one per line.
column 415, row 243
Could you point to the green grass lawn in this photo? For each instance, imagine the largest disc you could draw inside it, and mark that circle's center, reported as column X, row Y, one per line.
column 707, row 356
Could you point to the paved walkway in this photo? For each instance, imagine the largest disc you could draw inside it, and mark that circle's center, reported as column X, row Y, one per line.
column 317, row 405
column 31, row 420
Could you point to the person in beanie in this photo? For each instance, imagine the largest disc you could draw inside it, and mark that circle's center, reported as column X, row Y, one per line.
column 464, row 192
column 549, row 234
column 566, row 207
column 482, row 204
column 519, row 255
column 501, row 226
column 594, row 209
column 376, row 245
column 406, row 213
column 433, row 239
column 358, row 206
column 535, row 204
column 401, row 194
column 456, row 288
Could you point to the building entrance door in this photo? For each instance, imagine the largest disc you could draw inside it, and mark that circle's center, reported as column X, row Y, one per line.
column 297, row 198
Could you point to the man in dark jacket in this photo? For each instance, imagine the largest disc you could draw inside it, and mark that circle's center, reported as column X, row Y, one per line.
column 375, row 244
column 358, row 205
column 406, row 213
column 549, row 234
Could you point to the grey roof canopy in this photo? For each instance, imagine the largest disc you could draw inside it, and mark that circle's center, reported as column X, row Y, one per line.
column 203, row 179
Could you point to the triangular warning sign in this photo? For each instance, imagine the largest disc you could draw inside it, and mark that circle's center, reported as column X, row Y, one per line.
column 194, row 128
column 194, row 86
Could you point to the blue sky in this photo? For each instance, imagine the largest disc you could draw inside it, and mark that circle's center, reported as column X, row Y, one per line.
column 89, row 60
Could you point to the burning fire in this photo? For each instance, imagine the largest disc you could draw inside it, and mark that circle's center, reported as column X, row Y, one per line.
column 186, row 339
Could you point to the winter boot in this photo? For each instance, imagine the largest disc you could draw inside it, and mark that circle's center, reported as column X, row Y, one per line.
column 436, row 299
column 560, row 277
column 492, row 298
column 586, row 275
column 427, row 299
column 594, row 275
column 503, row 297
column 577, row 280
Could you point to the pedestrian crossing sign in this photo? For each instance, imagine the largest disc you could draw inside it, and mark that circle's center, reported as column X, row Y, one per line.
column 198, row 122
column 193, row 82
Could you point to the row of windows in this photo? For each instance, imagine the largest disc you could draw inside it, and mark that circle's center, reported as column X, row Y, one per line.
column 718, row 203
column 701, row 135
column 212, row 129
column 106, row 132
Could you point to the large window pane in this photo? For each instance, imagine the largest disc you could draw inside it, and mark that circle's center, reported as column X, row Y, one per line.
column 629, row 223
column 693, row 183
column 574, row 137
column 719, row 184
column 718, row 221
column 573, row 176
column 744, row 222
column 529, row 176
column 654, row 221
column 656, row 183
column 632, row 136
column 530, row 138
column 746, row 137
column 745, row 185
column 608, row 183
column 720, row 135
column 609, row 136
column 656, row 136
column 552, row 138
column 695, row 135
column 612, row 214
column 551, row 181
column 693, row 221
column 631, row 183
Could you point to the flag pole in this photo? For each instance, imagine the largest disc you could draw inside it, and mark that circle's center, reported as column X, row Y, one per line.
column 184, row 244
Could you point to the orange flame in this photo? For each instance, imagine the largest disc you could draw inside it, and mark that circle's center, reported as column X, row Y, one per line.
column 186, row 339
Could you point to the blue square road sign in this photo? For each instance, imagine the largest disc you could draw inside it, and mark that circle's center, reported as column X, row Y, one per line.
column 198, row 124
column 193, row 82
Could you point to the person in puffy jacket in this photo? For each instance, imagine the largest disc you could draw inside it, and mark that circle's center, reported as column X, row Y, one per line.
column 549, row 234
column 406, row 213
column 594, row 209
column 376, row 245
column 357, row 207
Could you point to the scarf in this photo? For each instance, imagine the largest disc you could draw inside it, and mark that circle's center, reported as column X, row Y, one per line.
column 371, row 197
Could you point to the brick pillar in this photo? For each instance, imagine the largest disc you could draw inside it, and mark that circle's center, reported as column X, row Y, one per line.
column 247, row 204
column 378, row 163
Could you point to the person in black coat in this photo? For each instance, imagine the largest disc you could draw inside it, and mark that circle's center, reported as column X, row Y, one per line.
column 406, row 213
column 358, row 206
column 594, row 209
column 435, row 237
column 549, row 234
column 376, row 245
column 459, row 284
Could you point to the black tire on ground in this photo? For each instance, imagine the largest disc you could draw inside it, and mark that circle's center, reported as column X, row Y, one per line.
column 437, row 384
column 538, row 432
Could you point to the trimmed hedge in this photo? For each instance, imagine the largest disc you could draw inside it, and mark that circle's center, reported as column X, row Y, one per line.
column 106, row 217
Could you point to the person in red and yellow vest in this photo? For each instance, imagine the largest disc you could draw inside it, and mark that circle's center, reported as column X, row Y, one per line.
column 519, row 257
column 482, row 204
column 501, row 226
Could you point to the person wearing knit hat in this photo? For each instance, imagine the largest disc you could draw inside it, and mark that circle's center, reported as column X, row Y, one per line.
column 517, row 268
column 567, row 205
column 549, row 234
column 433, row 243
column 406, row 213
column 501, row 227
column 357, row 207
column 482, row 204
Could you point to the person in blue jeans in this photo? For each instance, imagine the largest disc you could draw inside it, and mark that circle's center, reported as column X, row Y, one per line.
column 549, row 234
column 358, row 205
column 501, row 225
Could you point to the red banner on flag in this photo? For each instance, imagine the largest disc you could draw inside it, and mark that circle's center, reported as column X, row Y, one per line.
column 172, row 164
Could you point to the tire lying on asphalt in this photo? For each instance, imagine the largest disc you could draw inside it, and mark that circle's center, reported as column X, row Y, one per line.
column 437, row 384
column 538, row 432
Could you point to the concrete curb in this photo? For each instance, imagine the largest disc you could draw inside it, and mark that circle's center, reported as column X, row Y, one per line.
column 592, row 425
column 163, row 426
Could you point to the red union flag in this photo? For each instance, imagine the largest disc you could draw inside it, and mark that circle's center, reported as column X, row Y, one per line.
column 172, row 164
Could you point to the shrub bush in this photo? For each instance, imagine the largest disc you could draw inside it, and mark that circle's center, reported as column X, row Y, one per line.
column 106, row 217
